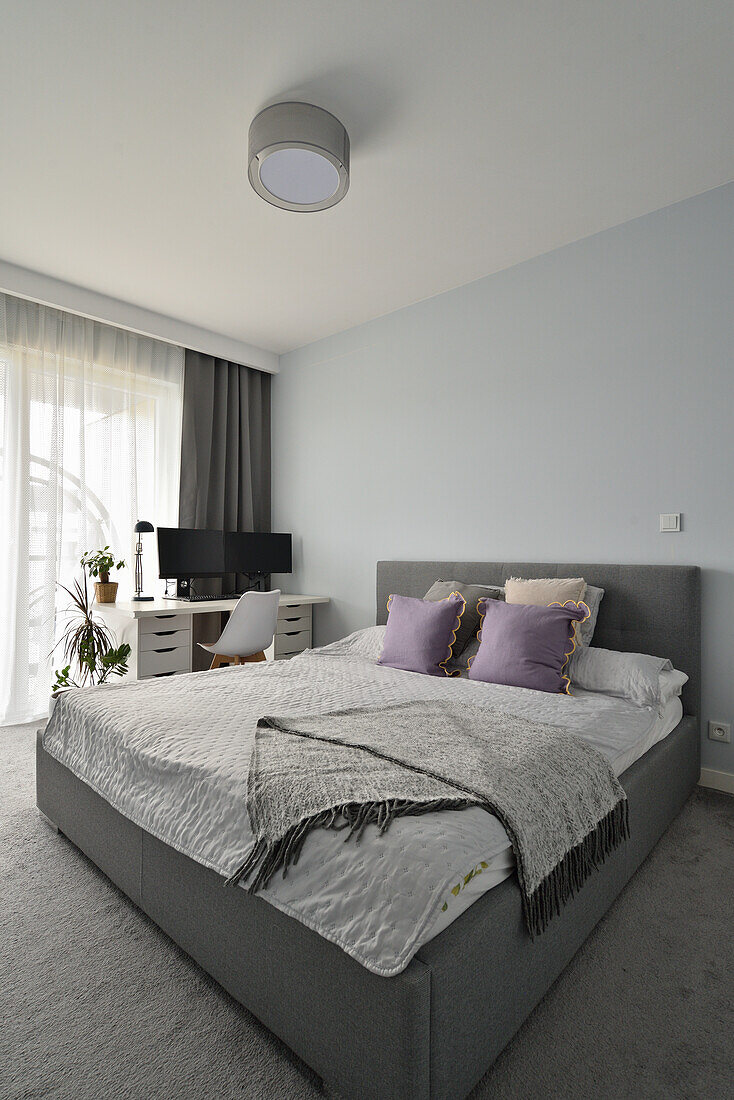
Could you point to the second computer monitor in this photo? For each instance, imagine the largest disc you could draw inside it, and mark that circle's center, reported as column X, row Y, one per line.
column 251, row 552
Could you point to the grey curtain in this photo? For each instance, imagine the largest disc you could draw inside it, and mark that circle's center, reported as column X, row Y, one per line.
column 225, row 446
column 225, row 463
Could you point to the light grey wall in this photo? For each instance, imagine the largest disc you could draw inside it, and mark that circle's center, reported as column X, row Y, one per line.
column 548, row 412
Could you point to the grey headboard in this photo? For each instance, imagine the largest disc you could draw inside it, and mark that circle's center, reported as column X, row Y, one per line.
column 646, row 608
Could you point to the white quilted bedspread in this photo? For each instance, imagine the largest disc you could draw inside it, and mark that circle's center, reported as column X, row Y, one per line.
column 173, row 754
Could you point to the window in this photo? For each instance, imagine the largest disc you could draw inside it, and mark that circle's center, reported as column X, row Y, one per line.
column 90, row 429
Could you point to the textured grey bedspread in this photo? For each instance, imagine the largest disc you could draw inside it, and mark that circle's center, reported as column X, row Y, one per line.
column 558, row 797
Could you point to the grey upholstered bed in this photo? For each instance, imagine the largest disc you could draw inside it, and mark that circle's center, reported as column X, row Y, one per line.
column 432, row 1030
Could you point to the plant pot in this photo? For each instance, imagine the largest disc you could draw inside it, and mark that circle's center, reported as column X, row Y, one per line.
column 106, row 591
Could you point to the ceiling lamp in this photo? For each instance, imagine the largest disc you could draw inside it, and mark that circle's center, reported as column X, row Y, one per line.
column 298, row 157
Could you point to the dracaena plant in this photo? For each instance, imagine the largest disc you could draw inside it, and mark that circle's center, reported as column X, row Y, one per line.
column 100, row 563
column 87, row 644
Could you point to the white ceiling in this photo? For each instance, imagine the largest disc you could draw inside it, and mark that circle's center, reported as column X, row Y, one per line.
column 483, row 132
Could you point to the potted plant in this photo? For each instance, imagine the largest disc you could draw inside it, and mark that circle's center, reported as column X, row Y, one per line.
column 100, row 563
column 88, row 644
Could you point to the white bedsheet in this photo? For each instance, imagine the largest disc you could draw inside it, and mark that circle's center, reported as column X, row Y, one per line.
column 173, row 756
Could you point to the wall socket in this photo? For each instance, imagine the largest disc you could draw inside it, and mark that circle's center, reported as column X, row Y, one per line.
column 720, row 731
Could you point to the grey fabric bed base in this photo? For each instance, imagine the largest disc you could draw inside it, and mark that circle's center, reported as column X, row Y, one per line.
column 432, row 1031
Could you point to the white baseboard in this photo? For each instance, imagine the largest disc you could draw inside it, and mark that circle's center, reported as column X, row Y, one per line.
column 718, row 781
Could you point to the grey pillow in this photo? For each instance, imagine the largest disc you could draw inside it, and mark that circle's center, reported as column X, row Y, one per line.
column 592, row 599
column 469, row 653
column 472, row 593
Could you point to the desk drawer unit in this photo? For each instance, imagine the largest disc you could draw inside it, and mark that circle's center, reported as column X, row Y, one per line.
column 167, row 620
column 164, row 639
column 164, row 662
column 164, row 644
column 291, row 626
column 293, row 631
column 288, row 644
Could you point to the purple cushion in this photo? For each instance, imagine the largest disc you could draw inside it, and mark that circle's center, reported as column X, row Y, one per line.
column 523, row 645
column 420, row 633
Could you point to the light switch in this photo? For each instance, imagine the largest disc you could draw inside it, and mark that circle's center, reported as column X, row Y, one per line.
column 670, row 521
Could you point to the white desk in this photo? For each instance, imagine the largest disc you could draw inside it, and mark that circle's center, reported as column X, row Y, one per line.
column 162, row 633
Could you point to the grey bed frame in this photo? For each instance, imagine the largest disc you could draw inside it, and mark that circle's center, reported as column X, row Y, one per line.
column 432, row 1031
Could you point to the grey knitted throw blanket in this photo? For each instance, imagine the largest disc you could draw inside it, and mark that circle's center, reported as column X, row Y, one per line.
column 557, row 797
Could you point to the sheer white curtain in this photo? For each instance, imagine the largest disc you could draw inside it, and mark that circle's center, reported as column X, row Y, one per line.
column 90, row 435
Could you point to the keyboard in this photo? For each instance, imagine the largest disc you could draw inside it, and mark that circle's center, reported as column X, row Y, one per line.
column 207, row 598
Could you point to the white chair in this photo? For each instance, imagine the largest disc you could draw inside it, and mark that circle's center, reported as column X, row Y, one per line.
column 249, row 630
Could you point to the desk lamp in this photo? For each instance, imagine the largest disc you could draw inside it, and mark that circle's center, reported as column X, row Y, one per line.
column 141, row 526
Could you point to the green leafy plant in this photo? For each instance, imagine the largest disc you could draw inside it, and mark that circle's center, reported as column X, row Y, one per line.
column 87, row 644
column 100, row 563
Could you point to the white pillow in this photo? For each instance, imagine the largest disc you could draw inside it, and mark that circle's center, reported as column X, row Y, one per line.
column 633, row 676
column 671, row 684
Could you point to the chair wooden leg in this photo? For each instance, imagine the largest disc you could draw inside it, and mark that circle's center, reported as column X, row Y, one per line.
column 220, row 659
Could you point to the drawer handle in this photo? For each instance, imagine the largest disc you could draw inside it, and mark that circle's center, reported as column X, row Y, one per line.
column 163, row 633
column 172, row 615
column 157, row 675
column 169, row 650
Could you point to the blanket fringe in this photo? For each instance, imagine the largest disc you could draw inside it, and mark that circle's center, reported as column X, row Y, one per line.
column 265, row 859
column 568, row 876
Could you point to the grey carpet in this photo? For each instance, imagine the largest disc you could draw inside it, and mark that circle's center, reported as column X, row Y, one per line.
column 96, row 1002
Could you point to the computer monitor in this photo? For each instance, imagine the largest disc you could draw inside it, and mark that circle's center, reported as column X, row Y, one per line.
column 253, row 552
column 185, row 553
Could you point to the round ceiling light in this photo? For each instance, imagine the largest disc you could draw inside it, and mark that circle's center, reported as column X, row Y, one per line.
column 298, row 157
